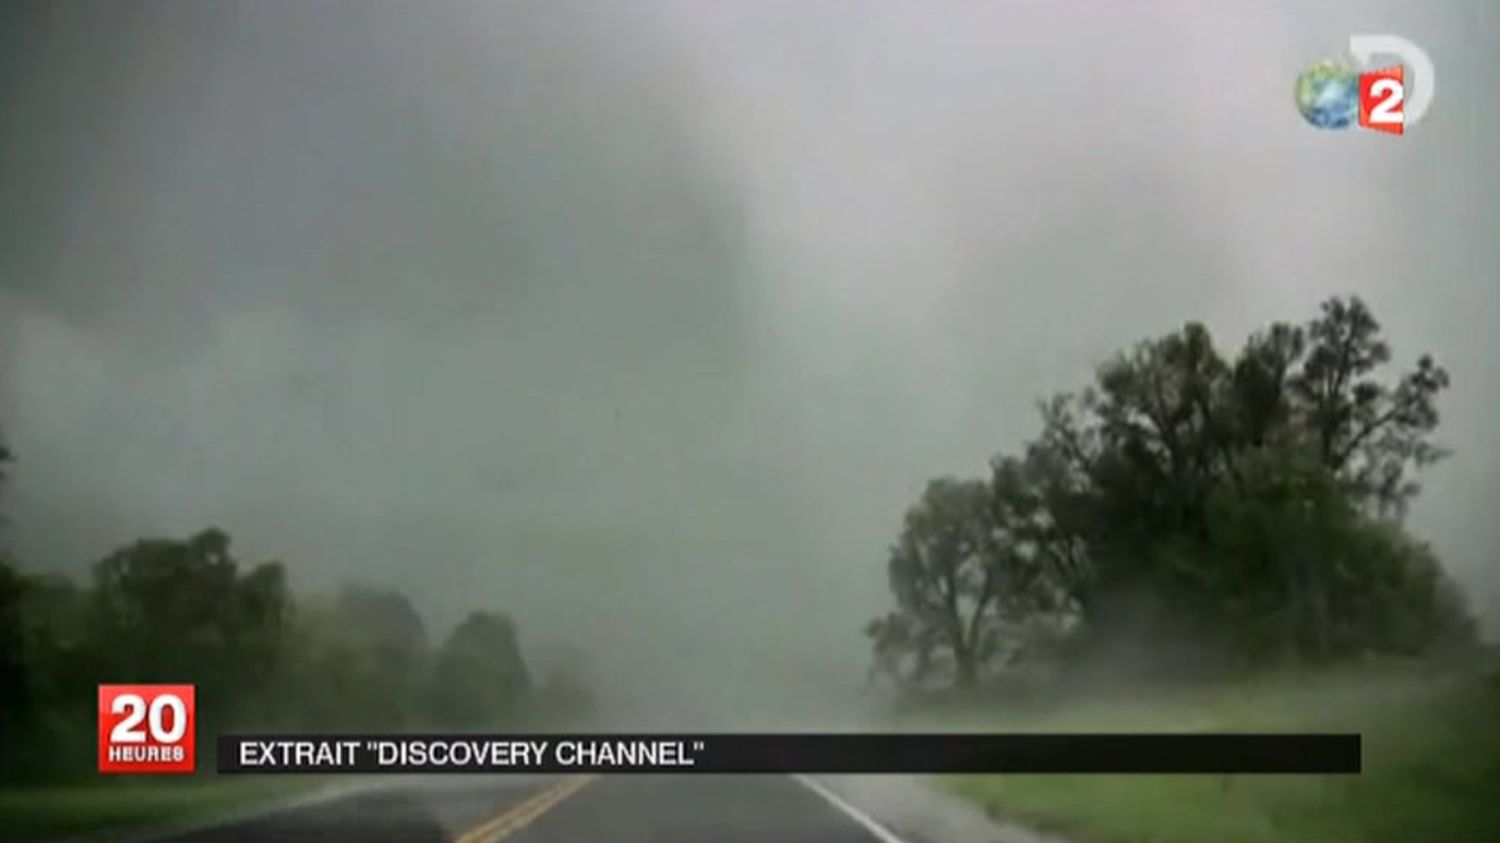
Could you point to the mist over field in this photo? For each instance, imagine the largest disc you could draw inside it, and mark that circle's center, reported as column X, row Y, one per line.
column 644, row 323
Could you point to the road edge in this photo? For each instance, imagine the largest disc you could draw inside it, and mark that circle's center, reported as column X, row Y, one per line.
column 913, row 809
column 870, row 824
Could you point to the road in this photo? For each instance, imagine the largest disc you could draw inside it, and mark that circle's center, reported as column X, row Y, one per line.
column 620, row 809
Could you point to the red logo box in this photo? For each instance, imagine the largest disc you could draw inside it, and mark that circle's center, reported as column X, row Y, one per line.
column 1382, row 95
column 147, row 729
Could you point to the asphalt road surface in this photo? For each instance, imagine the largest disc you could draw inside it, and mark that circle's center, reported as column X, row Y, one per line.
column 578, row 809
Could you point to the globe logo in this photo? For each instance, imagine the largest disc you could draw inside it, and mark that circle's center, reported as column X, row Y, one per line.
column 1328, row 95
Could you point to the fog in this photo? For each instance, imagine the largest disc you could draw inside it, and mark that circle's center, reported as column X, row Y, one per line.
column 644, row 322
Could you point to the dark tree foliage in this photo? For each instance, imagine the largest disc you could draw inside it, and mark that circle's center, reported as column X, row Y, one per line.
column 945, row 571
column 1370, row 432
column 16, row 693
column 360, row 660
column 186, row 610
column 158, row 610
column 1254, row 500
column 169, row 610
column 14, row 678
column 480, row 678
column 976, row 565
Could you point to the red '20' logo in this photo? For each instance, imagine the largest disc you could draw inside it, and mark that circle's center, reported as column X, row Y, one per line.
column 146, row 729
column 1381, row 96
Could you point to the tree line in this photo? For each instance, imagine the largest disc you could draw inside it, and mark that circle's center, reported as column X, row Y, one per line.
column 188, row 610
column 1252, row 504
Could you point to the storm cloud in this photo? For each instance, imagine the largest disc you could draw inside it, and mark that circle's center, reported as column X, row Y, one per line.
column 644, row 322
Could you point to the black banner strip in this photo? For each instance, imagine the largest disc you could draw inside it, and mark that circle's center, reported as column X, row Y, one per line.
column 792, row 753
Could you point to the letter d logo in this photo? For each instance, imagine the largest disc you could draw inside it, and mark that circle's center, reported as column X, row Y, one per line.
column 1420, row 84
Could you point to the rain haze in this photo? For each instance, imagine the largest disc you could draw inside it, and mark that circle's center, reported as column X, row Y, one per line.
column 643, row 323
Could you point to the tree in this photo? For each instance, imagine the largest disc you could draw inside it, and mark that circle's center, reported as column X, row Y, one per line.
column 49, row 692
column 1368, row 431
column 480, row 677
column 1252, row 501
column 15, row 679
column 187, row 610
column 390, row 624
column 981, row 572
column 959, row 575
column 13, row 674
column 1040, row 519
column 1172, row 439
column 1260, row 408
column 359, row 660
column 169, row 610
column 1163, row 434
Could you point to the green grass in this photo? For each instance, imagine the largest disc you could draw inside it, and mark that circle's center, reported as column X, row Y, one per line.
column 52, row 812
column 1431, row 766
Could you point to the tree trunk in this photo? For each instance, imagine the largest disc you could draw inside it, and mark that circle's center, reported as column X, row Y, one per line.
column 968, row 668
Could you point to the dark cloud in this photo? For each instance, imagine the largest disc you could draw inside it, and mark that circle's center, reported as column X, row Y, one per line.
column 645, row 321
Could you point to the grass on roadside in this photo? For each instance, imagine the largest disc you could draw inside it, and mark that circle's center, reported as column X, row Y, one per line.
column 49, row 812
column 1431, row 767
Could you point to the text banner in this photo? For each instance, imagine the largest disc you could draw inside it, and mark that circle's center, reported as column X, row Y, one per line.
column 792, row 753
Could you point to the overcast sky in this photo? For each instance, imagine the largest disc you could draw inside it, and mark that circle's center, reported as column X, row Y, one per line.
column 644, row 322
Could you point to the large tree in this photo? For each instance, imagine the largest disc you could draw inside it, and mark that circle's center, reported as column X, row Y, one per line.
column 963, row 571
column 1372, row 432
column 16, row 693
column 480, row 677
column 13, row 678
column 1171, row 433
column 170, row 610
column 1253, row 499
column 358, row 660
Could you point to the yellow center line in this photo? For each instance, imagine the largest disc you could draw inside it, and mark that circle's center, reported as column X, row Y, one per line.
column 520, row 815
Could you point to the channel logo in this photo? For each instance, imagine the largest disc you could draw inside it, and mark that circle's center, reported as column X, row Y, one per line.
column 1339, row 93
column 146, row 729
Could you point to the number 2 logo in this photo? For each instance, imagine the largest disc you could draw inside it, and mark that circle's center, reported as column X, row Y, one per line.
column 1382, row 94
